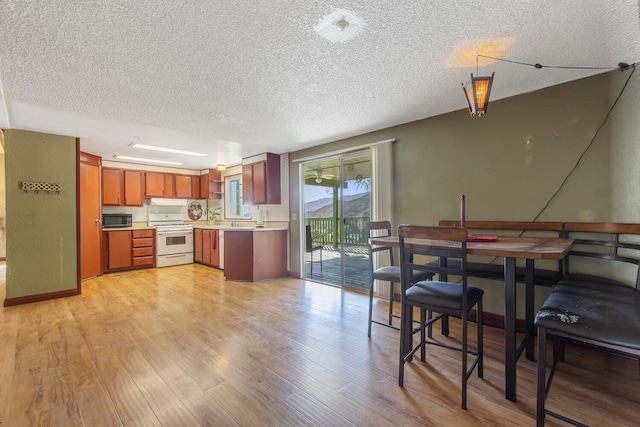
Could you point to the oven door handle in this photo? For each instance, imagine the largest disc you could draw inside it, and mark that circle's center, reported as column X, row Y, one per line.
column 181, row 233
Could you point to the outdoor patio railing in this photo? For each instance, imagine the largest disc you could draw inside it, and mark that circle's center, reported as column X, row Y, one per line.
column 355, row 230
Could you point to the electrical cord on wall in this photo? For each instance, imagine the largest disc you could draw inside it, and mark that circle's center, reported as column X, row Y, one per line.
column 553, row 196
column 584, row 152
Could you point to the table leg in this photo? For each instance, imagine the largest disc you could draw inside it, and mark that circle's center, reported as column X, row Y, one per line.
column 529, row 302
column 510, row 327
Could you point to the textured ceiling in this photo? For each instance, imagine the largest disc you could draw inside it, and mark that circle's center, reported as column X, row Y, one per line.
column 234, row 79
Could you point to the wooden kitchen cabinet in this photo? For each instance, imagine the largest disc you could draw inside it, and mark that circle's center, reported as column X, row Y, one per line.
column 207, row 186
column 132, row 188
column 121, row 187
column 195, row 187
column 112, row 187
column 118, row 250
column 184, row 189
column 255, row 255
column 143, row 248
column 154, row 184
column 207, row 247
column 261, row 179
column 128, row 249
column 168, row 185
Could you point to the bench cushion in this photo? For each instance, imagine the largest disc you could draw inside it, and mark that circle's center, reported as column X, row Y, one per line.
column 496, row 271
column 606, row 314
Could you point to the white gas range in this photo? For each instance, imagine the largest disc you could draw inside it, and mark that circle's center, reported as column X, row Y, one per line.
column 174, row 238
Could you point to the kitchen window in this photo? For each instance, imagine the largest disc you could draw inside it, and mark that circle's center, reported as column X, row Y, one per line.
column 233, row 198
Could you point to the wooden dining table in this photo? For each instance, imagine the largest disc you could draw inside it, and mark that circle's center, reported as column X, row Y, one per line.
column 510, row 248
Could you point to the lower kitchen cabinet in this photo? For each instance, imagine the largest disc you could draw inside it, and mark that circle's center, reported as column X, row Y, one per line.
column 207, row 247
column 143, row 248
column 128, row 249
column 255, row 255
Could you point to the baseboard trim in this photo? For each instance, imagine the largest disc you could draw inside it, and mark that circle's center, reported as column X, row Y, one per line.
column 40, row 297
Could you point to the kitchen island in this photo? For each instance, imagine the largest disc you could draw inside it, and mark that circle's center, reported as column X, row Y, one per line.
column 252, row 254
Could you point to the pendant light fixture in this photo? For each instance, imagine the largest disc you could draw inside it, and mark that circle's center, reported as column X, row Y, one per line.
column 477, row 93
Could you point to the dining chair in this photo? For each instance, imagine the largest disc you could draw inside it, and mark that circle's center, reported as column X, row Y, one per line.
column 441, row 296
column 387, row 273
column 312, row 247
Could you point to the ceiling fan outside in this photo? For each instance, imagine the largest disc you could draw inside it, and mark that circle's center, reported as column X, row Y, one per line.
column 320, row 176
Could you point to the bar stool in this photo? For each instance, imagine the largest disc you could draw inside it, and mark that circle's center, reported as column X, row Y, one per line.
column 388, row 273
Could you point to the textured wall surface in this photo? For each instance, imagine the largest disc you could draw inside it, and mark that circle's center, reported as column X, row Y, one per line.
column 41, row 227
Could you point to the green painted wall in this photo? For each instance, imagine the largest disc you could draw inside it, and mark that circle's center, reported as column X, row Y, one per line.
column 512, row 161
column 41, row 227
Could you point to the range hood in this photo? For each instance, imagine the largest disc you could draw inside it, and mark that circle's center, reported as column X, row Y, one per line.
column 168, row 202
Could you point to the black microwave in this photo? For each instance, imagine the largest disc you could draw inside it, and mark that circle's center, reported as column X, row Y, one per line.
column 116, row 220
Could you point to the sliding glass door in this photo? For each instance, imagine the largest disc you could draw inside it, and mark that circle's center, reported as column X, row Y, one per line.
column 337, row 207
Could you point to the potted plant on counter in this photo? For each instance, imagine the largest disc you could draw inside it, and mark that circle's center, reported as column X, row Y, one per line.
column 214, row 214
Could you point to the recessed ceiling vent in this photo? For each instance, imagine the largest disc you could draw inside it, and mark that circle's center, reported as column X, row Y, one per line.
column 340, row 26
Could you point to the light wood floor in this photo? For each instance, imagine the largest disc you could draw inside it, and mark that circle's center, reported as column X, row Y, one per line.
column 180, row 346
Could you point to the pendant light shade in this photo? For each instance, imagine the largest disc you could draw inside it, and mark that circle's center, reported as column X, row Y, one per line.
column 477, row 94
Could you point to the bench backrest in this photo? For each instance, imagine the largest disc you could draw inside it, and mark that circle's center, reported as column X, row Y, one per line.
column 618, row 242
column 556, row 227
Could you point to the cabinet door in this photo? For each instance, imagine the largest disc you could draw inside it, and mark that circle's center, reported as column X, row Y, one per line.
column 197, row 242
column 119, row 249
column 259, row 183
column 195, row 187
column 111, row 187
column 204, row 186
column 214, row 258
column 154, row 184
column 183, row 186
column 132, row 188
column 206, row 246
column 169, row 185
column 247, row 183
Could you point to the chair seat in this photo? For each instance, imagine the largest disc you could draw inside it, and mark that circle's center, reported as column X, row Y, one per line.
column 315, row 247
column 391, row 273
column 445, row 295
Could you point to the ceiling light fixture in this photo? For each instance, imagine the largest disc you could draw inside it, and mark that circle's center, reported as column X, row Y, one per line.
column 139, row 159
column 339, row 26
column 478, row 89
column 221, row 167
column 477, row 93
column 168, row 150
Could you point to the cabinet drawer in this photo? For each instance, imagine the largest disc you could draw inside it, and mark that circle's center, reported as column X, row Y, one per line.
column 147, row 260
column 142, row 233
column 139, row 252
column 142, row 243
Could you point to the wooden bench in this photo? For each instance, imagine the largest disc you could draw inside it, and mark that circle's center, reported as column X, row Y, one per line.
column 546, row 275
column 592, row 303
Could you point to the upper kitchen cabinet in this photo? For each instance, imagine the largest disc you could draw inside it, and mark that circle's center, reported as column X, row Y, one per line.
column 121, row 187
column 208, row 185
column 183, row 187
column 159, row 184
column 132, row 188
column 261, row 179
